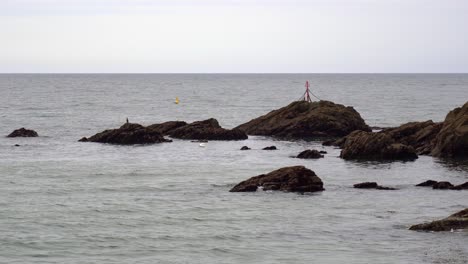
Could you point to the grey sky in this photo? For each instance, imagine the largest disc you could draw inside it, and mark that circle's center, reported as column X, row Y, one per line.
column 234, row 36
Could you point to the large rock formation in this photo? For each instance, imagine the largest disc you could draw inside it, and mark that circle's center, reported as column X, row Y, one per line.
column 23, row 132
column 128, row 134
column 375, row 146
column 288, row 179
column 200, row 130
column 452, row 140
column 304, row 120
column 419, row 135
column 456, row 221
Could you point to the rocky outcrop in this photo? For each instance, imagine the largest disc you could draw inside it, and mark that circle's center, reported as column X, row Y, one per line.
column 454, row 222
column 443, row 185
column 245, row 148
column 270, row 148
column 463, row 186
column 23, row 132
column 288, row 179
column 202, row 130
column 452, row 140
column 166, row 127
column 309, row 154
column 419, row 135
column 371, row 185
column 375, row 146
column 428, row 183
column 128, row 134
column 304, row 120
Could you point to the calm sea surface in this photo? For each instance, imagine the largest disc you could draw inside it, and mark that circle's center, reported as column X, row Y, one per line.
column 62, row 201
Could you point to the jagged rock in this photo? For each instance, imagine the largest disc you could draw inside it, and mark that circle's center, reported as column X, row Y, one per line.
column 23, row 132
column 443, row 185
column 166, row 127
column 452, row 140
column 288, row 179
column 304, row 120
column 270, row 148
column 309, row 154
column 454, row 222
column 419, row 135
column 245, row 148
column 463, row 186
column 206, row 130
column 128, row 134
column 376, row 146
column 428, row 183
column 371, row 185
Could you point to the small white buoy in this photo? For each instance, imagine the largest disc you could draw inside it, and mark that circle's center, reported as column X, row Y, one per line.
column 202, row 145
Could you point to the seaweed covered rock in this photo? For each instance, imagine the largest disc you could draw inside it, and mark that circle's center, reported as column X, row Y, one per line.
column 128, row 134
column 23, row 132
column 309, row 154
column 288, row 179
column 452, row 140
column 454, row 222
column 206, row 130
column 307, row 120
column 375, row 146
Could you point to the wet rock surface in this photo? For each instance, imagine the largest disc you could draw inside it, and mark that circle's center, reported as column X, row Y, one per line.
column 244, row 148
column 166, row 127
column 452, row 140
column 202, row 130
column 270, row 148
column 371, row 185
column 375, row 146
column 288, row 179
column 23, row 132
column 453, row 222
column 128, row 134
column 310, row 154
column 304, row 120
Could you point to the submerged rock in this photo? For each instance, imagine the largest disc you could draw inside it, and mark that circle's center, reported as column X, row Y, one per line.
column 454, row 222
column 205, row 130
column 23, row 132
column 375, row 146
column 428, row 183
column 288, row 179
column 452, row 140
column 443, row 185
column 463, row 186
column 270, row 148
column 309, row 154
column 128, row 134
column 304, row 120
column 245, row 148
column 371, row 185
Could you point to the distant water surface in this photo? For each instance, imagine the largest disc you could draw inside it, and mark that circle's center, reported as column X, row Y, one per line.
column 63, row 201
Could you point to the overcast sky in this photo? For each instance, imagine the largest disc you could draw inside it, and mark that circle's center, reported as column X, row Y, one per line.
column 205, row 36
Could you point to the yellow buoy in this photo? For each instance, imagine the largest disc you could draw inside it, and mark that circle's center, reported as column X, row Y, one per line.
column 176, row 100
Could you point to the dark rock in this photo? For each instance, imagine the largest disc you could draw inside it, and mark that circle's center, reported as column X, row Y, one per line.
column 288, row 179
column 452, row 140
column 454, row 222
column 245, row 148
column 128, row 134
column 323, row 152
column 443, row 185
column 166, row 127
column 83, row 139
column 375, row 146
column 23, row 132
column 309, row 154
column 366, row 185
column 463, row 186
column 206, row 130
column 419, row 135
column 17, row 145
column 429, row 183
column 199, row 141
column 304, row 120
column 371, row 185
column 270, row 148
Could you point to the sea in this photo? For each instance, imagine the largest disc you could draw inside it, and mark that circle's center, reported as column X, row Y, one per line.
column 64, row 201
